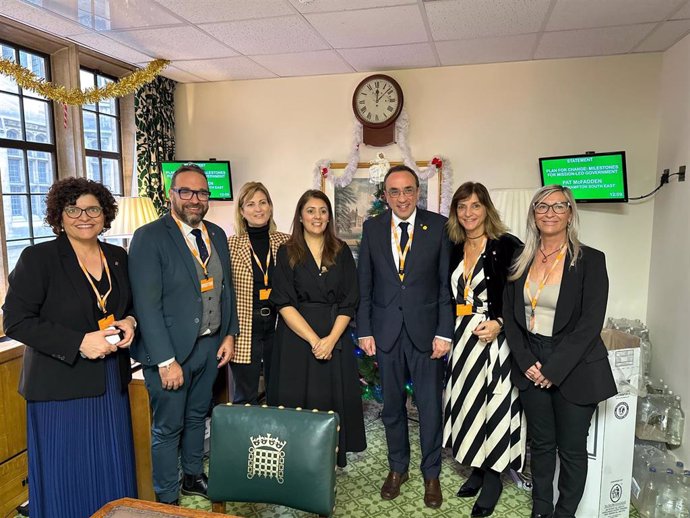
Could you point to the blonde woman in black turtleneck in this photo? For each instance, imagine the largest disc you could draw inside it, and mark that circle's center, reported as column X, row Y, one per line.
column 253, row 250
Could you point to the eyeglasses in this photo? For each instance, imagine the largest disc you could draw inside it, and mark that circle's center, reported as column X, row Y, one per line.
column 560, row 207
column 188, row 194
column 75, row 212
column 407, row 191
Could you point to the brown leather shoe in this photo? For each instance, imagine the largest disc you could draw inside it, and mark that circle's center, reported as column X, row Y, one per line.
column 391, row 487
column 433, row 497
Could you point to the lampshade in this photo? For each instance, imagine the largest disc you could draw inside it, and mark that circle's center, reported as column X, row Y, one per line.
column 132, row 213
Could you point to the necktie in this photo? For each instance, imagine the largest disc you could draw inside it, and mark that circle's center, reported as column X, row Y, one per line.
column 201, row 246
column 403, row 234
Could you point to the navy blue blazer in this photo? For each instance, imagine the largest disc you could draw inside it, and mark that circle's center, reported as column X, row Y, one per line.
column 422, row 300
column 49, row 308
column 579, row 365
column 167, row 293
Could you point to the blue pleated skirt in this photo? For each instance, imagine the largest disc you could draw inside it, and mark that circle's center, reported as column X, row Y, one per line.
column 80, row 451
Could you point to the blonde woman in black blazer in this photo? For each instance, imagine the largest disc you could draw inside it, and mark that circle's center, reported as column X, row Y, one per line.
column 554, row 308
column 253, row 251
column 75, row 372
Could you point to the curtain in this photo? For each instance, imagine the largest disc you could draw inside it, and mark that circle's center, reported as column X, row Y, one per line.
column 513, row 206
column 154, row 114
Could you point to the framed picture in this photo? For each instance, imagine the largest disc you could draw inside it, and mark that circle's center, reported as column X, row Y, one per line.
column 353, row 204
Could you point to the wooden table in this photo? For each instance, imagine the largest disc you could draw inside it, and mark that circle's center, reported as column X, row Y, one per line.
column 131, row 508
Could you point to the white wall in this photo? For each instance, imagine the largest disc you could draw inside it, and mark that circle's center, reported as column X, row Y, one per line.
column 669, row 276
column 492, row 121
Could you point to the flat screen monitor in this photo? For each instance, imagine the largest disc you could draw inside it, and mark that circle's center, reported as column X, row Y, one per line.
column 594, row 178
column 217, row 173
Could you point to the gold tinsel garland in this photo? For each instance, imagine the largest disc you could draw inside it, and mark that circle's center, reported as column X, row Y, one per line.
column 124, row 86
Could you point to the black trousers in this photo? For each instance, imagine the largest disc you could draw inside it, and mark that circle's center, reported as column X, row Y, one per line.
column 246, row 375
column 556, row 427
column 427, row 379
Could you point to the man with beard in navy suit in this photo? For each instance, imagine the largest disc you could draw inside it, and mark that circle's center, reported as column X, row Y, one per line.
column 179, row 267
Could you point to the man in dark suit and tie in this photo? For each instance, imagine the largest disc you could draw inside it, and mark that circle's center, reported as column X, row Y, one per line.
column 405, row 318
column 179, row 268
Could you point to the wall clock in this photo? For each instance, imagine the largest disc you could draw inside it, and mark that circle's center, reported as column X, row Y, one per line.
column 377, row 103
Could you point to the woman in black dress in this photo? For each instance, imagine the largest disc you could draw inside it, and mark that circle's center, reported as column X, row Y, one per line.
column 315, row 291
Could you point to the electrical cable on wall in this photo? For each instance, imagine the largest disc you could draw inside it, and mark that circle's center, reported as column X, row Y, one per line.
column 665, row 177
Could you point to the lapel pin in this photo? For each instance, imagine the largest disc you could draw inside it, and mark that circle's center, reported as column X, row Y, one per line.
column 424, row 227
column 117, row 263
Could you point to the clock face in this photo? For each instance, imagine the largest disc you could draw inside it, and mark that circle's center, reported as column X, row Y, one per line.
column 377, row 100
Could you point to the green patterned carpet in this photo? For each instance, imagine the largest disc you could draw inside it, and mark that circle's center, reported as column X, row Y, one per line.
column 359, row 483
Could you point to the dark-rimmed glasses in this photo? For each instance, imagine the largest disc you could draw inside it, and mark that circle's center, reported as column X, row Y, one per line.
column 75, row 212
column 188, row 194
column 560, row 207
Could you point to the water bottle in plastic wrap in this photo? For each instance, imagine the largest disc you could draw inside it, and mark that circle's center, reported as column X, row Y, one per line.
column 675, row 423
column 656, row 387
column 647, row 455
column 647, row 500
column 667, row 496
column 651, row 421
column 684, row 509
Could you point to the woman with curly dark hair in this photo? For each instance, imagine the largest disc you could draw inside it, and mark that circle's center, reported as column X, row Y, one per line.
column 69, row 302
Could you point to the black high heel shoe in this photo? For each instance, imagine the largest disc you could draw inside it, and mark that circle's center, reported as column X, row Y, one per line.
column 466, row 490
column 472, row 485
column 479, row 511
column 491, row 492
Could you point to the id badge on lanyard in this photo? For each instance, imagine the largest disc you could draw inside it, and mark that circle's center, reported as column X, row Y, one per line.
column 462, row 310
column 206, row 284
column 465, row 309
column 106, row 322
column 265, row 292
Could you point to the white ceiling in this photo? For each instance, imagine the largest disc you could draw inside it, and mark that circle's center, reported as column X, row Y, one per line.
column 218, row 40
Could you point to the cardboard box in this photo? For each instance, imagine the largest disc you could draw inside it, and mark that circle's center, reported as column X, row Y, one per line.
column 611, row 440
column 625, row 360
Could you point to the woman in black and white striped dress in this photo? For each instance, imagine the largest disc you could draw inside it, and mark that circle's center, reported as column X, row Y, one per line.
column 483, row 420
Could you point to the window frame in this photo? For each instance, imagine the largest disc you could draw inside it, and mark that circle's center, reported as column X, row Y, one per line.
column 24, row 147
column 99, row 153
column 65, row 58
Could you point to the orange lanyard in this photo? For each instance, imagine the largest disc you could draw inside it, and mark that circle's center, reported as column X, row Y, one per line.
column 402, row 254
column 258, row 262
column 468, row 276
column 101, row 300
column 534, row 299
column 194, row 251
